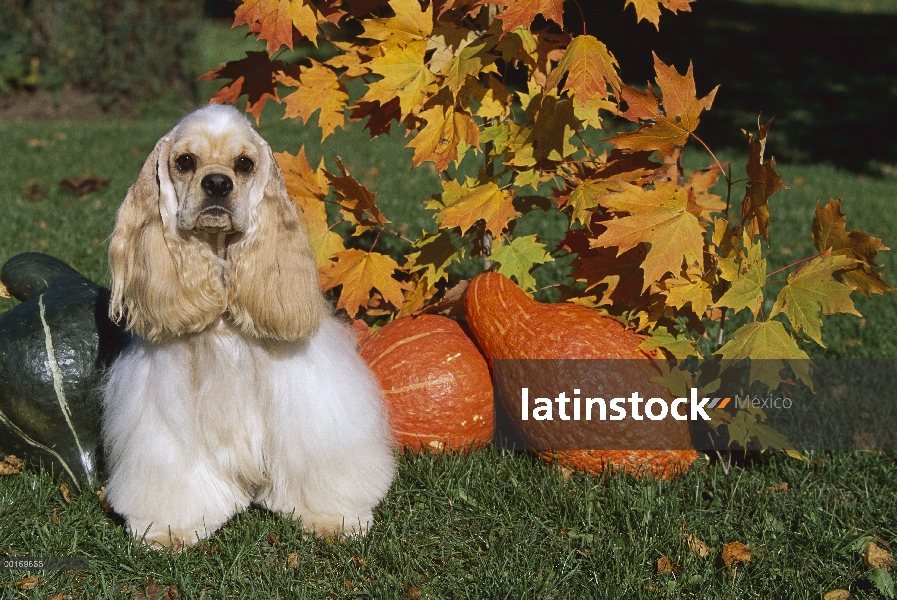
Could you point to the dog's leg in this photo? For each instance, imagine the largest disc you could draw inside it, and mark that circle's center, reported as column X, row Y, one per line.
column 328, row 445
column 162, row 478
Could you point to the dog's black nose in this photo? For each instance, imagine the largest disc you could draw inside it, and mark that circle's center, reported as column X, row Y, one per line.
column 217, row 185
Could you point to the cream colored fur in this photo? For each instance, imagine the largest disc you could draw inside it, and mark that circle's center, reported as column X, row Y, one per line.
column 239, row 386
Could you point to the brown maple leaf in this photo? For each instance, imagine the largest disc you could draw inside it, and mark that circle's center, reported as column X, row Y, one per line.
column 764, row 182
column 830, row 231
column 663, row 129
column 622, row 275
column 381, row 115
column 253, row 76
column 359, row 204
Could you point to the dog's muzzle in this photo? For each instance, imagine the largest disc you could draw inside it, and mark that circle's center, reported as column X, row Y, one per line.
column 216, row 215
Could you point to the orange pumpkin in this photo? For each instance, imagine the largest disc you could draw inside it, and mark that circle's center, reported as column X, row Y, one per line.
column 437, row 384
column 507, row 324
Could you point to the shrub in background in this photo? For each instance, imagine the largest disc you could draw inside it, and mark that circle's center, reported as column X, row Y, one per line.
column 125, row 51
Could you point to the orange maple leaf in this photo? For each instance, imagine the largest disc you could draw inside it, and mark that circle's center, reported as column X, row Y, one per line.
column 764, row 182
column 438, row 140
column 650, row 9
column 589, row 67
column 253, row 76
column 522, row 12
column 659, row 217
column 319, row 88
column 273, row 20
column 307, row 189
column 666, row 128
column 359, row 272
column 408, row 25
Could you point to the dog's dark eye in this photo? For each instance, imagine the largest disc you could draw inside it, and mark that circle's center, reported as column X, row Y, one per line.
column 243, row 165
column 185, row 162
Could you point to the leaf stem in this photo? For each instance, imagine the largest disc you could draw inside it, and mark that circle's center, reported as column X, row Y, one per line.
column 707, row 148
column 582, row 16
column 794, row 264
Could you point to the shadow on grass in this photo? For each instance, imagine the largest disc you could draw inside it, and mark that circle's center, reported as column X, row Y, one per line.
column 829, row 78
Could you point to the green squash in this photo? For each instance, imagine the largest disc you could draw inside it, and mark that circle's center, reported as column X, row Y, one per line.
column 54, row 349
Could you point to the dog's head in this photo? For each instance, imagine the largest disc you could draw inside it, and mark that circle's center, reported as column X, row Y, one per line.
column 208, row 231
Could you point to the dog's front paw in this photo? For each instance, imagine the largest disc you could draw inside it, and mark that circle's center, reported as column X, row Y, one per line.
column 333, row 526
column 158, row 538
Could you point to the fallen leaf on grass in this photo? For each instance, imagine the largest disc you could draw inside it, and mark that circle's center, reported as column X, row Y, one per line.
column 666, row 565
column 779, row 487
column 293, row 561
column 83, row 185
column 698, row 547
column 54, row 516
column 35, row 190
column 66, row 494
column 155, row 591
column 11, row 465
column 836, row 595
column 4, row 293
column 875, row 557
column 733, row 554
column 28, row 583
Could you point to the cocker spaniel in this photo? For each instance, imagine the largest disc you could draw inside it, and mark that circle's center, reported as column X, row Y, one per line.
column 238, row 386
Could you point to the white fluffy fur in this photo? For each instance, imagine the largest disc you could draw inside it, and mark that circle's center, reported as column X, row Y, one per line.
column 199, row 425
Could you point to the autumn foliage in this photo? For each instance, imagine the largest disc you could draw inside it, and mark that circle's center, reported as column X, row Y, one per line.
column 653, row 246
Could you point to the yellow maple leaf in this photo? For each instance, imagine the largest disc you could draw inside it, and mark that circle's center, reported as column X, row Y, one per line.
column 438, row 140
column 487, row 202
column 359, row 272
column 410, row 24
column 319, row 89
column 405, row 76
column 658, row 217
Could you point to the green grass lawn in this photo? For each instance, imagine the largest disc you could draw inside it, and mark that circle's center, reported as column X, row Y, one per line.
column 491, row 524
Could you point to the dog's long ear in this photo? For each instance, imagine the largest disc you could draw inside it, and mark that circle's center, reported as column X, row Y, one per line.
column 273, row 279
column 163, row 284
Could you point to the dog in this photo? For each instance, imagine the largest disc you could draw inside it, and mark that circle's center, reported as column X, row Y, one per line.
column 238, row 385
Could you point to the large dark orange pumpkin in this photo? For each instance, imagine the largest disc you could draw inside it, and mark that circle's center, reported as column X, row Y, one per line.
column 509, row 325
column 437, row 385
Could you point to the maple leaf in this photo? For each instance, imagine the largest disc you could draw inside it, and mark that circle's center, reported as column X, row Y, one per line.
column 438, row 140
column 405, row 76
column 663, row 129
column 276, row 19
column 830, row 231
column 359, row 272
column 696, row 292
column 770, row 348
column 518, row 258
column 468, row 62
column 555, row 123
column 520, row 13
column 810, row 290
column 590, row 69
column 649, row 10
column 658, row 217
column 307, row 189
column 486, row 202
column 410, row 24
column 748, row 277
column 381, row 115
column 764, row 182
column 677, row 345
column 319, row 89
column 253, row 76
column 359, row 204
column 436, row 251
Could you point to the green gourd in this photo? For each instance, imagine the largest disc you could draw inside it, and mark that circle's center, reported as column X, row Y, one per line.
column 54, row 349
